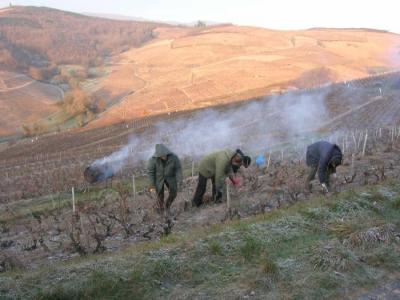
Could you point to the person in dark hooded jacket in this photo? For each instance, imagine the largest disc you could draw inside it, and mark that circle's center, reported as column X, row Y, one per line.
column 164, row 169
column 323, row 157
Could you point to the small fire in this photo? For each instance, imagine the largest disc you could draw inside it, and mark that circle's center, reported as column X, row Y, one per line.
column 98, row 173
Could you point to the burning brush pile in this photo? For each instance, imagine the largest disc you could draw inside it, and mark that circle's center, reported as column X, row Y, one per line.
column 98, row 173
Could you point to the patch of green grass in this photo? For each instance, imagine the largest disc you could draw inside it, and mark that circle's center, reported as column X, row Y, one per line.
column 386, row 256
column 99, row 285
column 215, row 247
column 328, row 281
column 268, row 266
column 164, row 268
column 251, row 248
column 315, row 213
column 396, row 203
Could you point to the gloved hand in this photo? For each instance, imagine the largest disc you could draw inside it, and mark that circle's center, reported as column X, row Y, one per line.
column 152, row 189
column 325, row 188
column 235, row 181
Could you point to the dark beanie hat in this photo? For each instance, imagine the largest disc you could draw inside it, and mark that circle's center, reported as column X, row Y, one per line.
column 246, row 161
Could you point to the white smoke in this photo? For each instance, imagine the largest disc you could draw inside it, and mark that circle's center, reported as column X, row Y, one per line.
column 253, row 127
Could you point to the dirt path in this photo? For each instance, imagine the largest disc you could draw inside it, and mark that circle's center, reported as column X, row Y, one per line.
column 18, row 87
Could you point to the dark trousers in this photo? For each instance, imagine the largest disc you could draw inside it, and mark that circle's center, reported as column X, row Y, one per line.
column 201, row 189
column 172, row 193
column 311, row 175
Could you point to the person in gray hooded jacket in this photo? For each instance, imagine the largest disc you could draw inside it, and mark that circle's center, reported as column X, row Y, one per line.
column 164, row 169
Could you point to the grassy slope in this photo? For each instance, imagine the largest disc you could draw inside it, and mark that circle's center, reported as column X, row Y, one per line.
column 324, row 248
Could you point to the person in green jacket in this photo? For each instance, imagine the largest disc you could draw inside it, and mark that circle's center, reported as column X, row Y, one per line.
column 217, row 166
column 164, row 169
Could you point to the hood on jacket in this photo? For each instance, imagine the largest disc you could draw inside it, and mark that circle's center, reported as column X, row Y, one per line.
column 161, row 150
column 336, row 160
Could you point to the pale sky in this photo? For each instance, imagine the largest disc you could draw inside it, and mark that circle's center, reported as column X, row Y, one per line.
column 273, row 14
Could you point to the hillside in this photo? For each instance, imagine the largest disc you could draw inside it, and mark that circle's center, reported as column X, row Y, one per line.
column 190, row 68
column 63, row 38
column 24, row 101
column 58, row 47
column 140, row 68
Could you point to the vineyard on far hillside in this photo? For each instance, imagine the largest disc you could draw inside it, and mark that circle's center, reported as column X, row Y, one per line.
column 54, row 163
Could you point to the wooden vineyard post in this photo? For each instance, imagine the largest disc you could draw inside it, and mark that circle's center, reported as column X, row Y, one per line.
column 355, row 140
column 360, row 139
column 352, row 163
column 392, row 133
column 365, row 142
column 84, row 231
column 269, row 160
column 73, row 200
column 282, row 156
column 193, row 168
column 343, row 148
column 133, row 187
column 228, row 198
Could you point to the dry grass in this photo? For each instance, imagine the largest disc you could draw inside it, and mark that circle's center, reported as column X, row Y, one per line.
column 386, row 234
column 333, row 256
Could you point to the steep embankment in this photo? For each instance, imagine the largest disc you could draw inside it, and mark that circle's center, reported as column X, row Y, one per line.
column 324, row 248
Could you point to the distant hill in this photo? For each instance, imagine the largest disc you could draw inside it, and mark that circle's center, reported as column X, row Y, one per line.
column 40, row 36
column 135, row 69
column 115, row 17
column 130, row 18
column 186, row 68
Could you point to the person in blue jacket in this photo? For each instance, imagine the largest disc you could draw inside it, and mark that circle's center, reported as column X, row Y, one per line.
column 322, row 157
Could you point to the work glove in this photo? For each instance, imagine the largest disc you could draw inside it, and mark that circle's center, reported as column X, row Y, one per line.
column 235, row 181
column 325, row 188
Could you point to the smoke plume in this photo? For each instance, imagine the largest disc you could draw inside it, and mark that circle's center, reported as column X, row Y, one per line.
column 253, row 127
